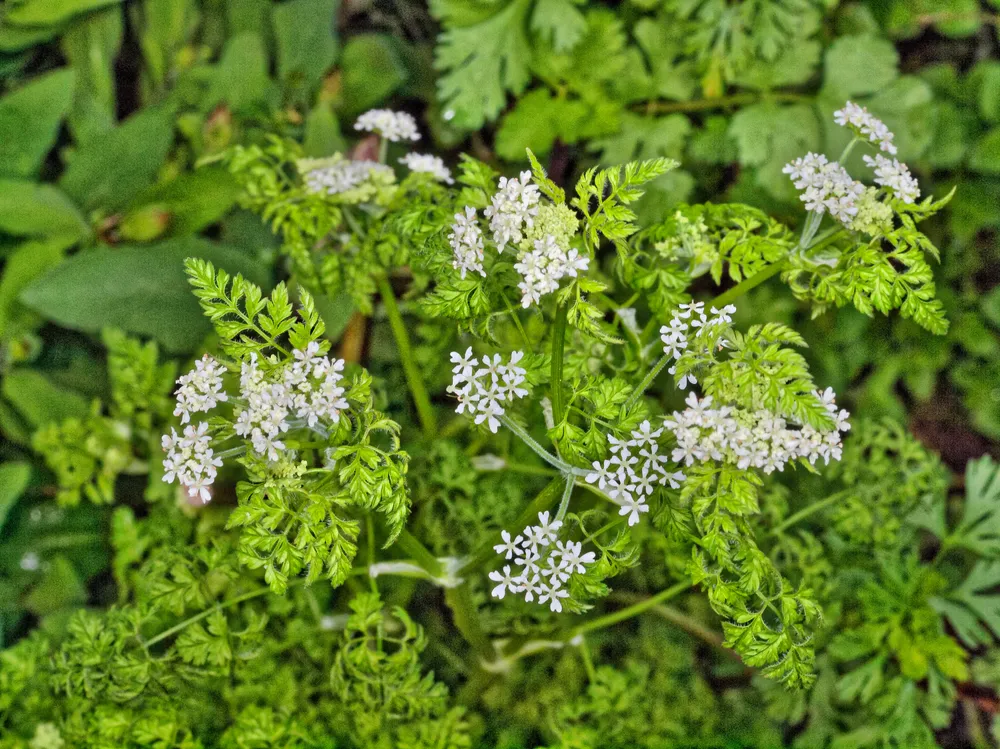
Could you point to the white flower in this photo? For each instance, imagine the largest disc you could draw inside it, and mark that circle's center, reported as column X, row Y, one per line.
column 722, row 316
column 894, row 175
column 633, row 507
column 509, row 546
column 466, row 240
column 645, row 435
column 553, row 593
column 200, row 390
column 601, row 474
column 341, row 176
column 513, row 207
column 506, row 582
column 482, row 393
column 394, row 126
column 428, row 164
column 191, row 461
column 542, row 268
column 867, row 125
column 825, row 186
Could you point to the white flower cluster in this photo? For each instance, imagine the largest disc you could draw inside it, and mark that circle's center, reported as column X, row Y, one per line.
column 428, row 164
column 867, row 125
column 633, row 471
column 482, row 391
column 394, row 126
column 895, row 175
column 200, row 389
column 543, row 267
column 302, row 394
column 342, row 176
column 546, row 563
column 190, row 460
column 825, row 186
column 466, row 240
column 514, row 207
column 308, row 389
column 688, row 322
column 758, row 439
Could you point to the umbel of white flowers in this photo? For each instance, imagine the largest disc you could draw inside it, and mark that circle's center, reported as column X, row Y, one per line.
column 482, row 390
column 826, row 186
column 512, row 211
column 303, row 393
column 337, row 175
column 634, row 471
column 546, row 563
column 748, row 439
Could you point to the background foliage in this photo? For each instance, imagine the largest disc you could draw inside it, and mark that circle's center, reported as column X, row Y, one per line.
column 112, row 119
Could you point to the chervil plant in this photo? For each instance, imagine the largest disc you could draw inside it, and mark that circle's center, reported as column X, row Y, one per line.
column 623, row 421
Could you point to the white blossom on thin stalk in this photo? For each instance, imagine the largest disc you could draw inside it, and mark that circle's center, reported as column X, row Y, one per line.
column 689, row 324
column 542, row 268
column 483, row 390
column 634, row 471
column 340, row 176
column 394, row 126
column 425, row 163
column 896, row 176
column 546, row 563
column 190, row 460
column 514, row 207
column 866, row 125
column 200, row 389
column 752, row 439
column 825, row 186
column 466, row 240
column 306, row 392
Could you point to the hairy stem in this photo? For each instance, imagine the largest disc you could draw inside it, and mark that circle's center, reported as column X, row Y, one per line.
column 207, row 612
column 564, row 502
column 557, row 463
column 651, row 375
column 422, row 401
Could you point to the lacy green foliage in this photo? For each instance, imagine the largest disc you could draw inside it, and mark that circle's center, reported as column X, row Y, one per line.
column 338, row 242
column 295, row 519
column 377, row 674
column 888, row 272
column 89, row 454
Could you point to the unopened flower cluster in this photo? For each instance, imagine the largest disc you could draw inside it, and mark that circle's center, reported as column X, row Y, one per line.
column 394, row 126
column 305, row 393
column 634, row 471
column 752, row 439
column 542, row 563
column 826, row 187
column 426, row 163
column 482, row 388
column 688, row 324
column 540, row 232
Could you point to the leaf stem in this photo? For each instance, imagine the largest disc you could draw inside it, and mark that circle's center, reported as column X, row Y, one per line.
column 807, row 511
column 630, row 611
column 541, row 452
column 207, row 612
column 422, row 401
column 556, row 378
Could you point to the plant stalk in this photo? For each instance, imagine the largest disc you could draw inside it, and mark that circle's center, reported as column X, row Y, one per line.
column 422, row 401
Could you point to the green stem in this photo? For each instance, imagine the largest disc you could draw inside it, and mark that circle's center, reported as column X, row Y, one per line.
column 207, row 612
column 748, row 283
column 422, row 556
column 564, row 503
column 807, row 511
column 425, row 411
column 651, row 375
column 719, row 102
column 635, row 609
column 540, row 451
column 466, row 616
column 556, row 379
